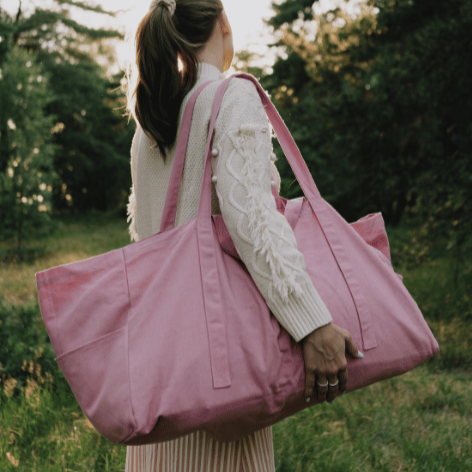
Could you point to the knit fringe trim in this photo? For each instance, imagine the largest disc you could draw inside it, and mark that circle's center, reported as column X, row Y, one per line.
column 258, row 212
column 131, row 211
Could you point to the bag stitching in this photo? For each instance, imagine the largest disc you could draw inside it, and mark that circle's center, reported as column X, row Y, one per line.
column 128, row 344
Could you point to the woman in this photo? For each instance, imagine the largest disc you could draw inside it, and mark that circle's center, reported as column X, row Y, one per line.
column 199, row 34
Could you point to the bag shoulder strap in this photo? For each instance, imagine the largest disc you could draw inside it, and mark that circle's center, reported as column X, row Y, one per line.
column 285, row 138
column 286, row 141
column 170, row 207
column 320, row 208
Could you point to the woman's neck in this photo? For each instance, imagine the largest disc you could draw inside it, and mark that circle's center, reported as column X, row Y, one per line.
column 213, row 51
column 211, row 54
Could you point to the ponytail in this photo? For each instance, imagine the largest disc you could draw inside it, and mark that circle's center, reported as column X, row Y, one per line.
column 163, row 37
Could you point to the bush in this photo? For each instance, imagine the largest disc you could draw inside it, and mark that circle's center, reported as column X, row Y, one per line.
column 26, row 354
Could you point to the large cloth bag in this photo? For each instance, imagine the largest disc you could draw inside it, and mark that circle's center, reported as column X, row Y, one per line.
column 170, row 335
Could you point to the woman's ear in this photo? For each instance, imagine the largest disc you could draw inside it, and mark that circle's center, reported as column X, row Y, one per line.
column 224, row 24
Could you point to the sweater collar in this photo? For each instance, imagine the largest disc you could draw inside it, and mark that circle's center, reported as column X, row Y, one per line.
column 209, row 71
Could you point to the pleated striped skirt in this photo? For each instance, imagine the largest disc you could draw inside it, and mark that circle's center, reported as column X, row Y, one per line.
column 199, row 453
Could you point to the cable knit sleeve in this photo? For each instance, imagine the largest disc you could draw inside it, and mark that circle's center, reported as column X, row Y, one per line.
column 131, row 207
column 262, row 236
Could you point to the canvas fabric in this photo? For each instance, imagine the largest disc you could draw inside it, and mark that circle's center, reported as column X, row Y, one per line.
column 132, row 326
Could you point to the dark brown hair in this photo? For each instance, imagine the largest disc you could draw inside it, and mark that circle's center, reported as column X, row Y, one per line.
column 160, row 87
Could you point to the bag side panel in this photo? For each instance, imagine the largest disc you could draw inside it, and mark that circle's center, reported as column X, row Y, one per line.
column 403, row 337
column 175, row 395
column 98, row 376
column 83, row 301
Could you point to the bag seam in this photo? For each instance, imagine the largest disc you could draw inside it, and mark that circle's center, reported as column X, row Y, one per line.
column 90, row 343
column 127, row 346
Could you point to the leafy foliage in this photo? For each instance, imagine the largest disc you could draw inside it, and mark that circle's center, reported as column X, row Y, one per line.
column 26, row 167
column 380, row 105
column 89, row 130
column 25, row 351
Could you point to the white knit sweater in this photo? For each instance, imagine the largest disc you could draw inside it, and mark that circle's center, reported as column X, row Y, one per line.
column 241, row 193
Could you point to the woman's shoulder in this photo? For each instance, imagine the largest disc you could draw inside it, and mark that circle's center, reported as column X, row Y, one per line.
column 240, row 100
column 238, row 92
column 242, row 88
column 237, row 88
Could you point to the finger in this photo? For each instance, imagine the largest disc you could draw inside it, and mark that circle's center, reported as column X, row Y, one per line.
column 309, row 384
column 333, row 385
column 351, row 348
column 343, row 378
column 321, row 387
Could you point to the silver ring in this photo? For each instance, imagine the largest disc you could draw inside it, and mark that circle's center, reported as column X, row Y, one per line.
column 322, row 385
column 334, row 385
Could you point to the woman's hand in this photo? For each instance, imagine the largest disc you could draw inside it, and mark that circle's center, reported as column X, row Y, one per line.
column 324, row 353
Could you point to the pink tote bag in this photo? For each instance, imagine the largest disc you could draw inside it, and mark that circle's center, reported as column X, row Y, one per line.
column 170, row 335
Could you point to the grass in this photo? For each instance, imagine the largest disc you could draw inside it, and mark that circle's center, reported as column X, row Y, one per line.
column 43, row 429
column 421, row 421
column 418, row 422
column 73, row 240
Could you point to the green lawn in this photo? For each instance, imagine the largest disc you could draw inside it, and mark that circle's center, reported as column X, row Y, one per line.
column 421, row 421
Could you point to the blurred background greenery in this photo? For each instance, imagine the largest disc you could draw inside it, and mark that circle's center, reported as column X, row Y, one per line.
column 380, row 104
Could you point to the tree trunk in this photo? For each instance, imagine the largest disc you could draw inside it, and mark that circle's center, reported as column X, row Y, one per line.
column 16, row 35
column 20, row 232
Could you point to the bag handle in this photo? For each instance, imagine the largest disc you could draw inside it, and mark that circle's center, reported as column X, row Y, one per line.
column 320, row 207
column 207, row 242
column 170, row 207
column 289, row 147
column 213, row 303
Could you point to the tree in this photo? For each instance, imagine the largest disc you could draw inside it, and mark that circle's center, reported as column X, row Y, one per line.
column 380, row 105
column 90, row 132
column 440, row 80
column 26, row 175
